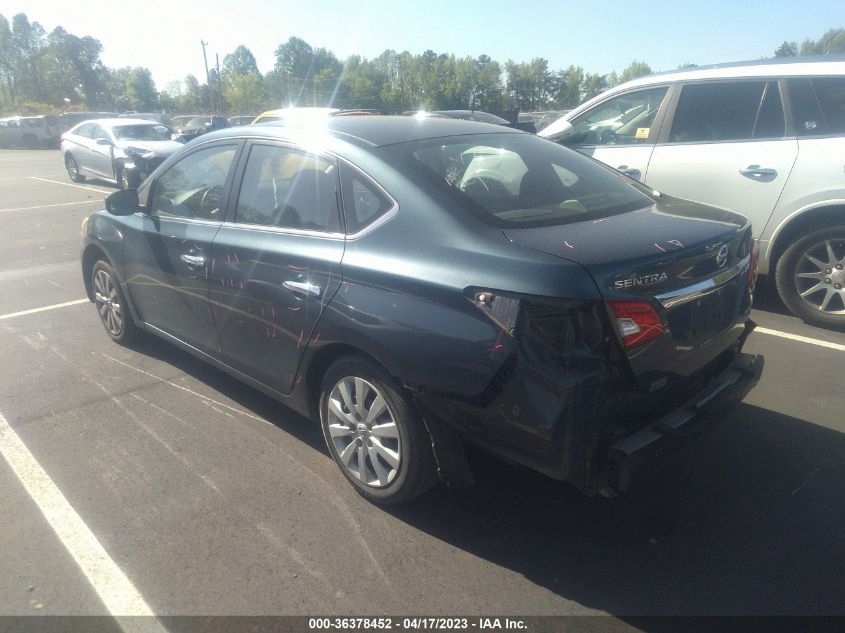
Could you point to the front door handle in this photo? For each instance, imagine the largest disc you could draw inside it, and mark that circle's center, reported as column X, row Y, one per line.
column 193, row 260
column 303, row 287
column 633, row 172
column 755, row 171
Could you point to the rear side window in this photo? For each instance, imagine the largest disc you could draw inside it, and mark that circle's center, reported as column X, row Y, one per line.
column 830, row 92
column 363, row 201
column 193, row 186
column 287, row 188
column 718, row 112
column 806, row 110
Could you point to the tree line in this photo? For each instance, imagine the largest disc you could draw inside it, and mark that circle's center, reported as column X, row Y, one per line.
column 42, row 72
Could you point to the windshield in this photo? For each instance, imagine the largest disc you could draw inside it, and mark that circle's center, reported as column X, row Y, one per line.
column 141, row 133
column 518, row 180
column 199, row 121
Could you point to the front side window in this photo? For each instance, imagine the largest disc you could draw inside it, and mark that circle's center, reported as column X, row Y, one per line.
column 99, row 132
column 193, row 187
column 717, row 112
column 830, row 92
column 517, row 180
column 286, row 188
column 625, row 119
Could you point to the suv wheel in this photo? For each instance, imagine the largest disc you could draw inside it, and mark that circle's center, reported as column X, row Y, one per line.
column 111, row 304
column 811, row 277
column 374, row 433
column 73, row 169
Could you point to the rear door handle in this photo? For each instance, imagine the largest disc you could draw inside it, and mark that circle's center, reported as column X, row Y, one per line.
column 303, row 287
column 633, row 172
column 193, row 260
column 756, row 170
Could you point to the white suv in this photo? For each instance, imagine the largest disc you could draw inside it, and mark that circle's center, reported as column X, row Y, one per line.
column 766, row 139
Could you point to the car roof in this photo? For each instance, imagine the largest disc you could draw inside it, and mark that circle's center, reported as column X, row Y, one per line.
column 373, row 131
column 117, row 122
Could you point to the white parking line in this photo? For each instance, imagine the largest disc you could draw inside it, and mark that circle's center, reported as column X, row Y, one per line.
column 117, row 592
column 800, row 339
column 56, row 306
column 68, row 184
column 47, row 206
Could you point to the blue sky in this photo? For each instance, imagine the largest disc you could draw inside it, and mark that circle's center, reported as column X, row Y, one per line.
column 599, row 35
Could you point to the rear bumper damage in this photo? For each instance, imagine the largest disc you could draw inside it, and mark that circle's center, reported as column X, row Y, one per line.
column 637, row 456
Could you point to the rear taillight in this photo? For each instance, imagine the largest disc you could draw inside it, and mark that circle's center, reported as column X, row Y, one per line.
column 752, row 265
column 637, row 321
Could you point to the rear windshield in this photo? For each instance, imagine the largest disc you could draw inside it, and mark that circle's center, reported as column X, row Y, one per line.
column 518, row 180
column 141, row 133
column 199, row 121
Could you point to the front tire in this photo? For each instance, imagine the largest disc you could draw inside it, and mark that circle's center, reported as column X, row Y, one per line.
column 810, row 277
column 73, row 169
column 111, row 304
column 373, row 432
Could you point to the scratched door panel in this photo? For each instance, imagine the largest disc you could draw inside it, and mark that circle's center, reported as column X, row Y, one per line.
column 277, row 262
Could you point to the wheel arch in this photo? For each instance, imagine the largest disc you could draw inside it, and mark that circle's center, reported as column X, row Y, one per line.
column 90, row 256
column 447, row 447
column 800, row 223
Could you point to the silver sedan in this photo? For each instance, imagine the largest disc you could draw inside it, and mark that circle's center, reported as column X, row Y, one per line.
column 122, row 151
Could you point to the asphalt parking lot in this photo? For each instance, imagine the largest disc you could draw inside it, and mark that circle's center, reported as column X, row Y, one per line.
column 210, row 498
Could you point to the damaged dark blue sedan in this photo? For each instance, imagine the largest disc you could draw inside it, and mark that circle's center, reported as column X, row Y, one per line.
column 421, row 284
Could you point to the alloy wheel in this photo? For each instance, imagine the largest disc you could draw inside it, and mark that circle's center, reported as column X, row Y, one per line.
column 363, row 431
column 72, row 168
column 108, row 302
column 820, row 276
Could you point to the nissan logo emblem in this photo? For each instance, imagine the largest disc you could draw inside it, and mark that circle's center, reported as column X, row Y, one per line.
column 722, row 256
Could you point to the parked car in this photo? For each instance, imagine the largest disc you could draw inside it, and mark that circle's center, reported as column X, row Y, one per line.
column 123, row 151
column 198, row 126
column 580, row 324
column 158, row 117
column 29, row 131
column 236, row 121
column 300, row 115
column 472, row 115
column 758, row 137
column 68, row 119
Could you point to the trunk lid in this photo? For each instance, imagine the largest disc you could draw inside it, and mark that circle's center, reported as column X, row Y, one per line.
column 685, row 259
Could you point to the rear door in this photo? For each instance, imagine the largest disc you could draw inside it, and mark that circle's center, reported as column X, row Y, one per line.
column 622, row 130
column 168, row 249
column 276, row 262
column 727, row 146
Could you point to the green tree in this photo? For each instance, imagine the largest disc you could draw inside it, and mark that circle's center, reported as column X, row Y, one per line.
column 28, row 43
column 7, row 75
column 635, row 69
column 787, row 49
column 570, row 86
column 239, row 63
column 831, row 43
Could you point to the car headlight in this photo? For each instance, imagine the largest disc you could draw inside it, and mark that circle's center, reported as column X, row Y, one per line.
column 139, row 152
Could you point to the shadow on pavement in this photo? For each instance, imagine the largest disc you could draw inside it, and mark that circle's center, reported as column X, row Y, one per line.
column 752, row 523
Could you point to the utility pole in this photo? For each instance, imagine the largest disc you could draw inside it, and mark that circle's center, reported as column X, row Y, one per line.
column 219, row 85
column 208, row 77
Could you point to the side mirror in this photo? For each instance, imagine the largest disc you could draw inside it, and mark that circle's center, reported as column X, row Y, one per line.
column 558, row 131
column 103, row 141
column 124, row 202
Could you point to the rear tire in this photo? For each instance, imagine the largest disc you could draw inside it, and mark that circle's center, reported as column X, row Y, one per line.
column 73, row 169
column 373, row 432
column 111, row 304
column 810, row 277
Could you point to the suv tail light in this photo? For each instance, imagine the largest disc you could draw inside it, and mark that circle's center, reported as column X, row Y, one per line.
column 637, row 322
